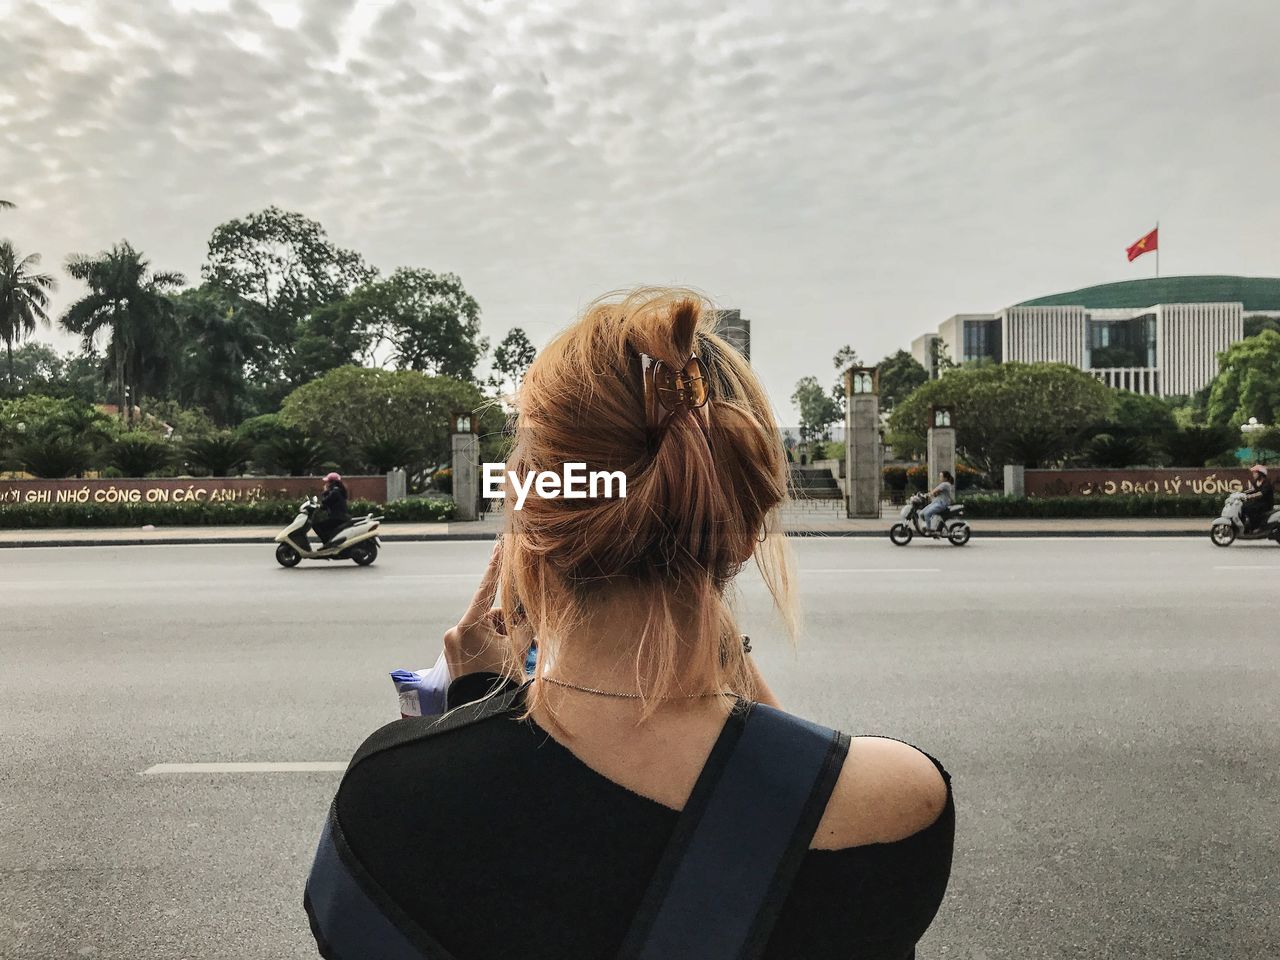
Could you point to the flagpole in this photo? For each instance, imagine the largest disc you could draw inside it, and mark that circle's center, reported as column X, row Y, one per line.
column 1157, row 249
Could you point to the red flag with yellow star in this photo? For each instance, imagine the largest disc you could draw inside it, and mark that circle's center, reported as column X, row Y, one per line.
column 1148, row 243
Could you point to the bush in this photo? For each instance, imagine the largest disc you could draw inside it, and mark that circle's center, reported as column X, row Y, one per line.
column 442, row 480
column 53, row 456
column 219, row 453
column 138, row 454
column 1196, row 445
column 276, row 511
column 984, row 506
column 384, row 452
column 895, row 478
column 1117, row 451
column 917, row 477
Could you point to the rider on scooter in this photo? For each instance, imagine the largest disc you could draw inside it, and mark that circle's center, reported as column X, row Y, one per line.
column 1258, row 498
column 333, row 508
column 942, row 495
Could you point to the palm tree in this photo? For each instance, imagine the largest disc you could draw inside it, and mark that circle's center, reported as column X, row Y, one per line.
column 222, row 337
column 7, row 205
column 131, row 303
column 24, row 298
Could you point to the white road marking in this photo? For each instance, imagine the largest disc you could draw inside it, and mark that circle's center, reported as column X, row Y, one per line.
column 1259, row 566
column 431, row 576
column 324, row 766
column 870, row 570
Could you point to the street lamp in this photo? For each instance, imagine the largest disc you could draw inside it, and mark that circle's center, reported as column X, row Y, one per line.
column 462, row 422
column 940, row 416
column 1251, row 428
column 1252, row 432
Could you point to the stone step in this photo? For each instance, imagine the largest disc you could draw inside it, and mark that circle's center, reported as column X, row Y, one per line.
column 815, row 506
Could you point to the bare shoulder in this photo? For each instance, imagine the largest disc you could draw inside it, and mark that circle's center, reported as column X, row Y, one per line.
column 887, row 791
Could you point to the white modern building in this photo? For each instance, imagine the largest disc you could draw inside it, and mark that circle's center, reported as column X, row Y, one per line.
column 1159, row 336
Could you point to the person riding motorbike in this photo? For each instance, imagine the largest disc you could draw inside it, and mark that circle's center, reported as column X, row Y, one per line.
column 942, row 494
column 1259, row 498
column 332, row 515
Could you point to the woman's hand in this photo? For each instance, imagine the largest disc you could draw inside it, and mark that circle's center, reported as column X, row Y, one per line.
column 480, row 641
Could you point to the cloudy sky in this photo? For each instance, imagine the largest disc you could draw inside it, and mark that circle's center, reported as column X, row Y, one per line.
column 844, row 171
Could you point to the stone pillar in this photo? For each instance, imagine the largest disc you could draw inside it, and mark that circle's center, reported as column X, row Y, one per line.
column 862, row 449
column 940, row 447
column 466, row 469
column 1015, row 480
column 397, row 485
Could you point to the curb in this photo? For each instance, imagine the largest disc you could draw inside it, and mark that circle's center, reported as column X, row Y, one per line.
column 1027, row 534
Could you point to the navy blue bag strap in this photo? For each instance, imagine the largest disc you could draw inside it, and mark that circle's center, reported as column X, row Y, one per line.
column 739, row 841
column 348, row 920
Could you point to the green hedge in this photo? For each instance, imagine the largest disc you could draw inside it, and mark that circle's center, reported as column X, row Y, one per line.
column 987, row 506
column 259, row 513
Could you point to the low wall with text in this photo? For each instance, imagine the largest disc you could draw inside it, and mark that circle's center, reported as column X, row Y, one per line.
column 1169, row 482
column 181, row 490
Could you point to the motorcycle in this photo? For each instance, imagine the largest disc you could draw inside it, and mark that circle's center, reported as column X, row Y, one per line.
column 356, row 540
column 951, row 524
column 1229, row 526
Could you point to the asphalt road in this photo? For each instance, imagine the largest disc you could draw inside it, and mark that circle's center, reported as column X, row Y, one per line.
column 1109, row 709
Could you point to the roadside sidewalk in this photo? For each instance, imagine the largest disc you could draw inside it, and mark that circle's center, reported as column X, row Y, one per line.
column 487, row 529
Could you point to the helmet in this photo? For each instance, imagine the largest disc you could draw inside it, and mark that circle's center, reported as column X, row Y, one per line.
column 331, row 477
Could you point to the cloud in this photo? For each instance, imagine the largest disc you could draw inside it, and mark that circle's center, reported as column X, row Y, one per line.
column 842, row 171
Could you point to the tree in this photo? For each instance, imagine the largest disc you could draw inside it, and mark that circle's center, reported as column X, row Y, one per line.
column 139, row 454
column 383, row 453
column 54, row 437
column 1265, row 444
column 1255, row 324
column 221, row 338
column 1248, row 382
column 285, row 266
column 1140, row 425
column 900, row 373
column 941, row 356
column 181, row 423
column 334, row 335
column 24, row 298
column 38, row 369
column 844, row 358
column 7, row 205
column 130, row 304
column 818, row 409
column 428, row 319
column 1196, row 444
column 1020, row 413
column 1117, row 452
column 219, row 453
column 352, row 408
column 512, row 358
column 277, row 446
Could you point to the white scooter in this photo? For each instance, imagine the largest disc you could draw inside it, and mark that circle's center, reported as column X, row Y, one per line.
column 357, row 541
column 1229, row 526
column 951, row 524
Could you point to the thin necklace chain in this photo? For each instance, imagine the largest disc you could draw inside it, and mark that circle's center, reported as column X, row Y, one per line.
column 625, row 696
